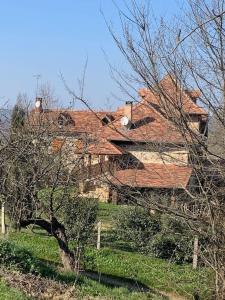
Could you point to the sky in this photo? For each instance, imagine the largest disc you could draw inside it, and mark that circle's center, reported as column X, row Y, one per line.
column 53, row 37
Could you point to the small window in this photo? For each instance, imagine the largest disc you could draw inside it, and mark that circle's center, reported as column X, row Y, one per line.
column 65, row 119
column 107, row 119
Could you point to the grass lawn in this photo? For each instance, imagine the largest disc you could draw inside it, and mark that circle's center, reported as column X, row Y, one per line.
column 128, row 267
column 107, row 213
column 154, row 273
column 139, row 276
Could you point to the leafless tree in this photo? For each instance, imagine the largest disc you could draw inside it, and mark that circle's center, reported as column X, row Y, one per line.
column 191, row 52
column 39, row 184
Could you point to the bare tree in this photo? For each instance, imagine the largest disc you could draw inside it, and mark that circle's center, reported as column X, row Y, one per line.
column 191, row 53
column 39, row 184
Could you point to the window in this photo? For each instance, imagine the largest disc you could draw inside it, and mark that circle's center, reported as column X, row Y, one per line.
column 107, row 119
column 65, row 119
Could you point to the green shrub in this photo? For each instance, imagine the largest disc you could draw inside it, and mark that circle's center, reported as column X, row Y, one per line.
column 176, row 248
column 159, row 235
column 77, row 214
column 13, row 257
column 79, row 217
column 136, row 225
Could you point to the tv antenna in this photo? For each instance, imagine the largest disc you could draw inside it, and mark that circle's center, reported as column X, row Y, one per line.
column 37, row 77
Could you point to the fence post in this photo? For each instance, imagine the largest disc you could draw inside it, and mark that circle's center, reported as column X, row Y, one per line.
column 195, row 253
column 99, row 235
column 3, row 218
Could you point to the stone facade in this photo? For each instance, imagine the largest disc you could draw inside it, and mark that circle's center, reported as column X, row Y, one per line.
column 194, row 123
column 147, row 156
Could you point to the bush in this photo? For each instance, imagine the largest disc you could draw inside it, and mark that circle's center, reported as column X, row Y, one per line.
column 176, row 248
column 13, row 257
column 77, row 214
column 136, row 225
column 79, row 217
column 159, row 235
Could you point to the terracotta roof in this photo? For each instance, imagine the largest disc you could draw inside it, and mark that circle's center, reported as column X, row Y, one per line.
column 57, row 144
column 83, row 121
column 104, row 147
column 101, row 147
column 184, row 100
column 148, row 126
column 154, row 176
column 149, row 123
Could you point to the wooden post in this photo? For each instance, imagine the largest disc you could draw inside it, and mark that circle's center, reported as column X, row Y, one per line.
column 195, row 253
column 114, row 196
column 99, row 235
column 3, row 219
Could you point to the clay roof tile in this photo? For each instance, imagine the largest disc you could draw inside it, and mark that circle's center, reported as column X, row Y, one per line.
column 154, row 176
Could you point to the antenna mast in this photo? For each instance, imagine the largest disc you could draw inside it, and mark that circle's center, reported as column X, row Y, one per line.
column 37, row 76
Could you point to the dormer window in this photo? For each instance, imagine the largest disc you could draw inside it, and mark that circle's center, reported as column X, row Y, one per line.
column 65, row 119
column 107, row 119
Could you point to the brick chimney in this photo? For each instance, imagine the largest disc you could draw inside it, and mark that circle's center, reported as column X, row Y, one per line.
column 193, row 94
column 128, row 110
column 38, row 105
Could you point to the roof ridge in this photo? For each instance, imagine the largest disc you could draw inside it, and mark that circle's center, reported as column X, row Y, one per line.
column 71, row 110
column 170, row 79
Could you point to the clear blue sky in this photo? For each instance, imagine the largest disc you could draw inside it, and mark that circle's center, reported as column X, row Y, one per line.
column 48, row 36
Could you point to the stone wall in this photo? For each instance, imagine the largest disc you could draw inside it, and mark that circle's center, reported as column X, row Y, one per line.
column 194, row 122
column 100, row 191
column 147, row 156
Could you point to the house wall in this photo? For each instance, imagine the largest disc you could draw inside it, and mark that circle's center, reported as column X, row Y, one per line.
column 194, row 122
column 69, row 146
column 94, row 190
column 88, row 188
column 144, row 155
column 96, row 159
column 102, row 193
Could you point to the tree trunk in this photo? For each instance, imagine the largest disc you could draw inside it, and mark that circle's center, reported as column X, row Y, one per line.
column 68, row 260
column 58, row 230
column 67, row 256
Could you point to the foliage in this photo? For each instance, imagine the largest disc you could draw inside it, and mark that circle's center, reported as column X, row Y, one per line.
column 18, row 117
column 79, row 217
column 174, row 241
column 77, row 214
column 37, row 189
column 53, row 196
column 162, row 236
column 136, row 225
column 177, row 248
column 14, row 257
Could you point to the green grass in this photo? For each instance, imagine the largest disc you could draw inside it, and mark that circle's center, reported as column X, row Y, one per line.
column 107, row 213
column 7, row 293
column 155, row 273
column 129, row 268
column 40, row 244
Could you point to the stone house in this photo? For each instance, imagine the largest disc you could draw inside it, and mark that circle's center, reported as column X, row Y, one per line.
column 136, row 147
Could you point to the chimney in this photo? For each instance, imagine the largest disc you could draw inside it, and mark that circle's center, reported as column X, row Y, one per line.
column 193, row 94
column 38, row 105
column 128, row 110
